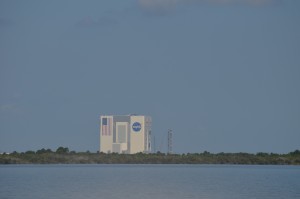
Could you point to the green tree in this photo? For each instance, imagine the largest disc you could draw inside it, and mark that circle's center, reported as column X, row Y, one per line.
column 62, row 150
column 29, row 152
column 41, row 151
column 49, row 151
column 296, row 152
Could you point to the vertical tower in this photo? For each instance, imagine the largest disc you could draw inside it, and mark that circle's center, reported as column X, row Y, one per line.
column 170, row 141
column 154, row 145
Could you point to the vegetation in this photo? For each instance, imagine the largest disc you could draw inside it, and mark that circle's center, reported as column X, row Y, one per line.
column 64, row 156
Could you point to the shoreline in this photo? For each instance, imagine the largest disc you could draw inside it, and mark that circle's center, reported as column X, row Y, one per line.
column 292, row 158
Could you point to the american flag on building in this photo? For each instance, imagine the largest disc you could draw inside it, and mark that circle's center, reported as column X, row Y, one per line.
column 106, row 126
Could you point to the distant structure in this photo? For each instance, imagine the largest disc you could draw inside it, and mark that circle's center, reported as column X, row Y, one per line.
column 127, row 134
column 154, row 144
column 170, row 141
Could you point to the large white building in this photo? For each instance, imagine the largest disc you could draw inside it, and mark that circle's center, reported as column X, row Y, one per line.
column 125, row 134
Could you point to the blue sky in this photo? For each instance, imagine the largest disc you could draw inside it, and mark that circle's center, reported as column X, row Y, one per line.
column 223, row 74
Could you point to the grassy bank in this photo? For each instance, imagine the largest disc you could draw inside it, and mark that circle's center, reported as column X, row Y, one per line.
column 63, row 156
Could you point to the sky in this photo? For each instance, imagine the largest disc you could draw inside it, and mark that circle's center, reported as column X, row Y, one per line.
column 222, row 74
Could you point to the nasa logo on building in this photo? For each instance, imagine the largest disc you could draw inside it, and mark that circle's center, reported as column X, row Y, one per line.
column 136, row 126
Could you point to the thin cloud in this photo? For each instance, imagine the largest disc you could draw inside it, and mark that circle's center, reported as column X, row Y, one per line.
column 88, row 22
column 245, row 2
column 164, row 6
column 158, row 7
column 158, row 4
column 8, row 108
column 5, row 22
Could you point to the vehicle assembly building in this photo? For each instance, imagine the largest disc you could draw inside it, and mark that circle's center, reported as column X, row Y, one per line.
column 125, row 134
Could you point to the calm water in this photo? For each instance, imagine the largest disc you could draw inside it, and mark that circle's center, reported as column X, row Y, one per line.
column 149, row 181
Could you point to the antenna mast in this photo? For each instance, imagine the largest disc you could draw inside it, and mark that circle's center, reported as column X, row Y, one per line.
column 154, row 145
column 170, row 141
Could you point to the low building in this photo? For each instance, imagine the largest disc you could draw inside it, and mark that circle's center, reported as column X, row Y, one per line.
column 127, row 134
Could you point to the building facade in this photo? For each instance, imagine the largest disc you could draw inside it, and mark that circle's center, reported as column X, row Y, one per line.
column 127, row 134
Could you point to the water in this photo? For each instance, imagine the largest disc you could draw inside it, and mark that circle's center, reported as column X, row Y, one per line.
column 149, row 181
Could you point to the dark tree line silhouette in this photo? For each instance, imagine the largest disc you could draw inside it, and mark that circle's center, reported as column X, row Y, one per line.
column 62, row 155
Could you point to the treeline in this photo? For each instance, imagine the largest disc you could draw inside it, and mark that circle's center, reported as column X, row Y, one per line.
column 63, row 156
